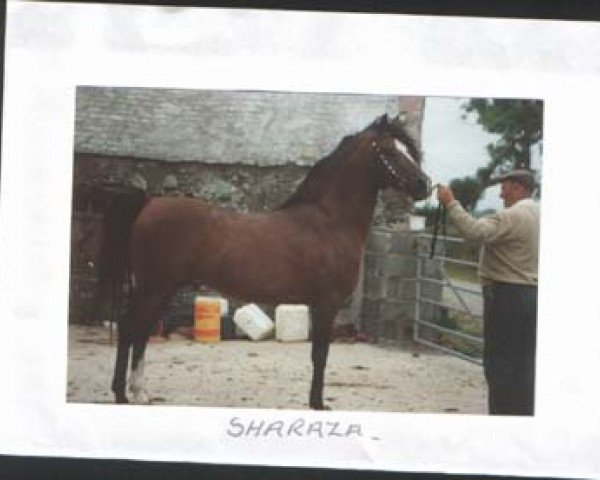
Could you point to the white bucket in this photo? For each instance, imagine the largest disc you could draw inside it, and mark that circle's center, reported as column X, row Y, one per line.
column 255, row 323
column 416, row 222
column 291, row 323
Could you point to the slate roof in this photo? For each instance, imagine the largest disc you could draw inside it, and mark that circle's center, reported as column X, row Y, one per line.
column 231, row 127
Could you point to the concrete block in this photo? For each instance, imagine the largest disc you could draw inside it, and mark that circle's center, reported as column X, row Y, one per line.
column 374, row 286
column 399, row 265
column 372, row 264
column 403, row 242
column 379, row 241
column 399, row 288
column 395, row 319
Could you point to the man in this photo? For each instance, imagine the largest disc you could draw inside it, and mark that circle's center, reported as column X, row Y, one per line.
column 508, row 271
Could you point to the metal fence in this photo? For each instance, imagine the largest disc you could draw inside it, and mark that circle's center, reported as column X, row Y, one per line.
column 457, row 328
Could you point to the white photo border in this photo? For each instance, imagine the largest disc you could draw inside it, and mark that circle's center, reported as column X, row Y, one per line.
column 298, row 52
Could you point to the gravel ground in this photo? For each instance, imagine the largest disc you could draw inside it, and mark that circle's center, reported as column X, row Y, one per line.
column 271, row 374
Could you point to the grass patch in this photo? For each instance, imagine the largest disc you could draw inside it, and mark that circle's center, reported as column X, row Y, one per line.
column 468, row 324
column 463, row 273
column 462, row 345
column 462, row 322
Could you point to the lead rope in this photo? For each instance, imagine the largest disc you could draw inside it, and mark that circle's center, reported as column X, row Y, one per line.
column 440, row 217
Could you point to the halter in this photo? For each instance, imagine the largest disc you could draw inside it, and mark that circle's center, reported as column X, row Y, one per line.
column 388, row 165
column 440, row 217
column 440, row 214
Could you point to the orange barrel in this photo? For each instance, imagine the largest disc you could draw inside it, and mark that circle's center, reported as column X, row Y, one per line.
column 207, row 319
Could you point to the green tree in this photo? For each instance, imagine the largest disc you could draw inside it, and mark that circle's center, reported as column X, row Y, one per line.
column 467, row 191
column 519, row 126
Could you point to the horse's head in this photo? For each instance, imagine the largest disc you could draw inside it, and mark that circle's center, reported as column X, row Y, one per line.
column 398, row 158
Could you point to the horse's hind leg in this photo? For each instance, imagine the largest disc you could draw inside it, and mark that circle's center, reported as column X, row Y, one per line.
column 322, row 320
column 147, row 308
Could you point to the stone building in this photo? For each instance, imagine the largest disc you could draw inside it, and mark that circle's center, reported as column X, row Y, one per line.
column 240, row 149
column 247, row 150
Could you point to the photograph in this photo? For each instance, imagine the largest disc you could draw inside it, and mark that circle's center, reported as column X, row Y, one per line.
column 302, row 240
column 298, row 250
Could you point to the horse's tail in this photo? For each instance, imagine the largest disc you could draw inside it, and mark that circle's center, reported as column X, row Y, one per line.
column 122, row 206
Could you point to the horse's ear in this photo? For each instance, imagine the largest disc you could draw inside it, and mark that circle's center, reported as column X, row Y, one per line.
column 401, row 119
column 379, row 122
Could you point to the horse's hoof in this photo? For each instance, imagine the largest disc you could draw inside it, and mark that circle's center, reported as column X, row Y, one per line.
column 140, row 397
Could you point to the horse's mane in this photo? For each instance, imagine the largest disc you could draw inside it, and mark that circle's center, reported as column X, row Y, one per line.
column 312, row 186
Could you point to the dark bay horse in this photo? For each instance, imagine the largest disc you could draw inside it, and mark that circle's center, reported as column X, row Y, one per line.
column 307, row 251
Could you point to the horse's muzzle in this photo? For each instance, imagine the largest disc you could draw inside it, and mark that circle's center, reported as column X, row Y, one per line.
column 421, row 188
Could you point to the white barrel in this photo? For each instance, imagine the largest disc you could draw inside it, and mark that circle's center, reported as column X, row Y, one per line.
column 292, row 323
column 255, row 323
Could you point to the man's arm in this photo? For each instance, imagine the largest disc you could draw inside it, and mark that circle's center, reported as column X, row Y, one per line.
column 482, row 230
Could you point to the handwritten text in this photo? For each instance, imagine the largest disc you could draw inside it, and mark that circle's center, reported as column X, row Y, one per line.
column 299, row 427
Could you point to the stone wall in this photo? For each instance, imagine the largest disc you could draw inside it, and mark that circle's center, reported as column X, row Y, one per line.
column 389, row 285
column 242, row 187
column 245, row 188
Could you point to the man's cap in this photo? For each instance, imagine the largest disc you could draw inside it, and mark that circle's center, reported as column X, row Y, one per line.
column 521, row 175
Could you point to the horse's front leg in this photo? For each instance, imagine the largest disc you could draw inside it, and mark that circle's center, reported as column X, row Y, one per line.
column 322, row 320
column 121, row 363
column 137, row 384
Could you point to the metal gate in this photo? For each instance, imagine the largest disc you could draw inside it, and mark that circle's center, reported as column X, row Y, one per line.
column 453, row 321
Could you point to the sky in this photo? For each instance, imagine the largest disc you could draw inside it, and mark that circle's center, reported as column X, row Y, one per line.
column 456, row 148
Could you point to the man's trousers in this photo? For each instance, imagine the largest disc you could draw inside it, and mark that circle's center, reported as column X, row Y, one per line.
column 510, row 327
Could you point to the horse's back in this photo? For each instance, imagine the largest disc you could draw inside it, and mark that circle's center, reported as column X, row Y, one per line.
column 266, row 257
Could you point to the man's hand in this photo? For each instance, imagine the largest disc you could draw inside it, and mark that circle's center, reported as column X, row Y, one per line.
column 445, row 195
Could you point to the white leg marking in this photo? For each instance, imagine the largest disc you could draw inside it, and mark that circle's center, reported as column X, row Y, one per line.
column 137, row 385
